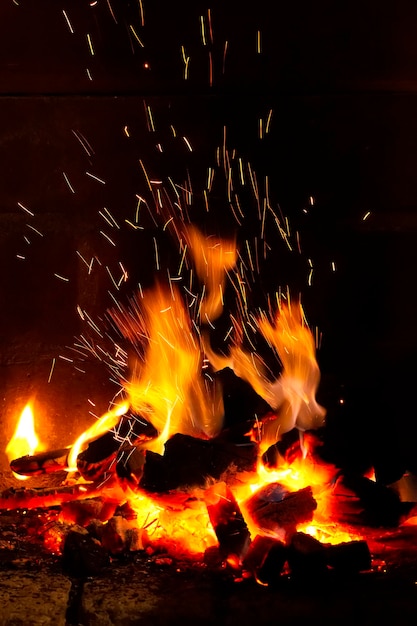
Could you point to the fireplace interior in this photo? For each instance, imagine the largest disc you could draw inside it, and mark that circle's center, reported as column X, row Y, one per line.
column 291, row 131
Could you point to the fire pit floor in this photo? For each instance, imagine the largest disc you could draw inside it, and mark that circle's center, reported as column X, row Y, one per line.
column 141, row 589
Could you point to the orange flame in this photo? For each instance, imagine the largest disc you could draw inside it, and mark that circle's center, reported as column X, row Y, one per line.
column 293, row 394
column 24, row 440
column 108, row 421
column 167, row 386
column 212, row 258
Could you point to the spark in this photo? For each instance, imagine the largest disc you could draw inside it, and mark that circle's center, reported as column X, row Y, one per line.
column 100, row 180
column 134, row 226
column 112, row 278
column 209, row 22
column 333, row 266
column 111, row 218
column 90, row 44
column 68, row 182
column 149, row 118
column 268, row 122
column 258, row 42
column 125, row 274
column 156, row 253
column 167, row 222
column 84, row 143
column 182, row 260
column 186, row 61
column 62, row 277
column 146, row 175
column 311, row 200
column 136, row 36
column 210, row 69
column 111, row 11
column 19, row 204
column 26, row 239
column 297, row 237
column 203, row 31
column 226, row 45
column 20, row 257
column 260, row 128
column 187, row 143
column 65, row 358
column 51, row 370
column 249, row 256
column 142, row 13
column 126, row 131
column 80, row 312
column 365, row 217
column 242, row 175
column 174, row 132
column 107, row 237
column 68, row 22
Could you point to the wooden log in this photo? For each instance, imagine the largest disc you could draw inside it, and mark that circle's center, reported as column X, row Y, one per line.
column 257, row 553
column 228, row 523
column 272, row 568
column 41, row 463
column 24, row 498
column 360, row 500
column 349, row 557
column 274, row 508
column 191, row 462
column 306, row 556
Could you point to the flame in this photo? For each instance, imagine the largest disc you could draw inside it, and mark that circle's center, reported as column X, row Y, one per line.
column 212, row 258
column 305, row 471
column 166, row 386
column 293, row 394
column 24, row 440
column 108, row 421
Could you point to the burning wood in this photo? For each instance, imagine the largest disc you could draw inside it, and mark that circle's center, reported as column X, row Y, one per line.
column 228, row 523
column 183, row 451
column 274, row 508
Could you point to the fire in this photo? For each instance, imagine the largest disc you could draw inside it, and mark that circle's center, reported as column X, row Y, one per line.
column 293, row 394
column 166, row 386
column 212, row 258
column 108, row 421
column 24, row 440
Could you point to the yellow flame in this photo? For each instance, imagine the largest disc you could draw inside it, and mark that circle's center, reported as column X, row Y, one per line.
column 212, row 257
column 108, row 421
column 24, row 440
column 167, row 386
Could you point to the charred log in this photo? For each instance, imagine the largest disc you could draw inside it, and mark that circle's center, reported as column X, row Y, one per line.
column 42, row 463
column 364, row 501
column 191, row 462
column 349, row 557
column 274, row 508
column 228, row 523
column 306, row 556
column 258, row 552
column 271, row 570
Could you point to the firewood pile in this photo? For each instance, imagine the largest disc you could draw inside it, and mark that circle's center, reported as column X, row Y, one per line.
column 88, row 523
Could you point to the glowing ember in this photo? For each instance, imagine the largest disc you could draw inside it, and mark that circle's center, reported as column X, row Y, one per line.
column 24, row 440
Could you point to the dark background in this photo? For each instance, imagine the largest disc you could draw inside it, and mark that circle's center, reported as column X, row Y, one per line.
column 340, row 80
